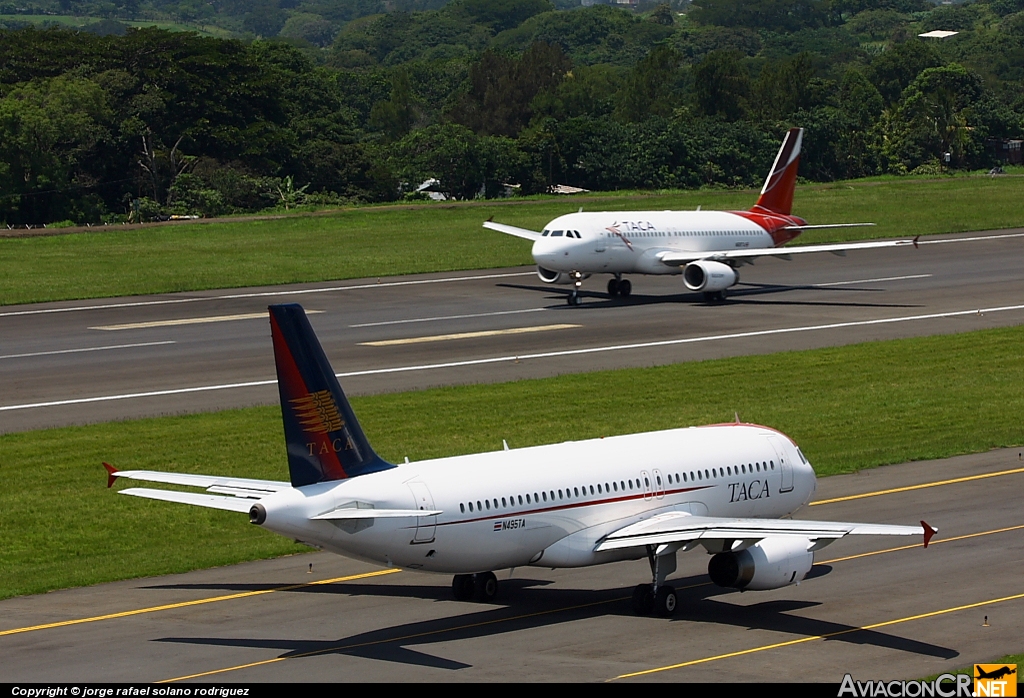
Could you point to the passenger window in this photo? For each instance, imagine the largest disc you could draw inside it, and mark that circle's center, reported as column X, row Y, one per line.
column 503, row 502
column 462, row 508
column 488, row 504
column 545, row 495
column 471, row 506
column 521, row 498
column 591, row 489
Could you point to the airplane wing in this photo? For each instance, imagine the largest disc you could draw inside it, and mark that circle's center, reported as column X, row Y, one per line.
column 672, row 258
column 681, row 527
column 512, row 230
column 242, row 490
column 349, row 514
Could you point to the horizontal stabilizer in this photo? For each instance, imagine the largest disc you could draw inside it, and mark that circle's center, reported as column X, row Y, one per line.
column 682, row 528
column 512, row 230
column 261, row 488
column 200, row 500
column 349, row 514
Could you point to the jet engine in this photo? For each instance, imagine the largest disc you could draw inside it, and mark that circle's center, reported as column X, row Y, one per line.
column 770, row 564
column 555, row 277
column 709, row 276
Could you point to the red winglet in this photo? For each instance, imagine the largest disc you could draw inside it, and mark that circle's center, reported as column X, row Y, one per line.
column 111, row 474
column 928, row 532
column 915, row 242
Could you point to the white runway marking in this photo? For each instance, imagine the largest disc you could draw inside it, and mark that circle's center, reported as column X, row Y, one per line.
column 77, row 351
column 447, row 317
column 541, row 355
column 467, row 335
column 189, row 321
column 873, row 281
column 264, row 294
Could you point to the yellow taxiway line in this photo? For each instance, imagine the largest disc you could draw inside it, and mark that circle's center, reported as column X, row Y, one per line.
column 824, row 636
column 466, row 335
column 339, row 648
column 923, row 486
column 189, row 321
column 194, row 602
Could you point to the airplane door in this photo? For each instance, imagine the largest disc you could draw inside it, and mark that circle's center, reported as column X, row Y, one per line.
column 425, row 525
column 646, row 481
column 599, row 243
column 659, row 486
column 784, row 464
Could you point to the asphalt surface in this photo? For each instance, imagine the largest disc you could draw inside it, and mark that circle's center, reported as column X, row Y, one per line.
column 57, row 366
column 903, row 612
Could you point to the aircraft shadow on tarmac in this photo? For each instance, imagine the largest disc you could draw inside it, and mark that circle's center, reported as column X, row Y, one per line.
column 746, row 294
column 531, row 606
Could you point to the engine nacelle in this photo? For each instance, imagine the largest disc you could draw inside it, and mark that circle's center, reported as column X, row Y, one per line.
column 553, row 277
column 770, row 564
column 709, row 276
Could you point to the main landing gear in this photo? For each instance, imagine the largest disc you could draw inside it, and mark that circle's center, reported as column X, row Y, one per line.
column 617, row 286
column 483, row 587
column 657, row 598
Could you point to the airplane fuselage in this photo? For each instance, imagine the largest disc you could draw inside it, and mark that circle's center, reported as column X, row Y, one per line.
column 633, row 242
column 549, row 505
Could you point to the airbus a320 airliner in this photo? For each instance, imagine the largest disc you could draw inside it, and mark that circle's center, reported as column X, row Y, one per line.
column 573, row 504
column 706, row 247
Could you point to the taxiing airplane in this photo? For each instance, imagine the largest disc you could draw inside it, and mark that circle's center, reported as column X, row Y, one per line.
column 706, row 247
column 573, row 504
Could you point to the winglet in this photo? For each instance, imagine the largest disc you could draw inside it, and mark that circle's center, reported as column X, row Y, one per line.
column 916, row 238
column 491, row 219
column 928, row 532
column 111, row 474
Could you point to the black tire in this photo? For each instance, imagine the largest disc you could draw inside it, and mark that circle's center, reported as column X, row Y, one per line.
column 625, row 288
column 486, row 586
column 665, row 602
column 463, row 587
column 613, row 287
column 714, row 296
column 643, row 600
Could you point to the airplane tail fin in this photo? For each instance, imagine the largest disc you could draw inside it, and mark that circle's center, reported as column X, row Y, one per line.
column 325, row 441
column 777, row 192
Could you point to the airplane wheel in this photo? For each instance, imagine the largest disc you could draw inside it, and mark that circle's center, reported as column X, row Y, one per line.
column 665, row 602
column 625, row 288
column 712, row 296
column 643, row 600
column 575, row 299
column 463, row 587
column 613, row 287
column 486, row 586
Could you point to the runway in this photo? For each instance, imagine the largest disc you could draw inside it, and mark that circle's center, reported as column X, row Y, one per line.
column 879, row 608
column 99, row 360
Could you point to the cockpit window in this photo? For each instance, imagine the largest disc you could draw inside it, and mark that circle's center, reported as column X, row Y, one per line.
column 545, row 233
column 556, row 233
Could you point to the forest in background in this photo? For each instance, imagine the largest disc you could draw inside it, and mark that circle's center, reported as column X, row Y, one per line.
column 99, row 126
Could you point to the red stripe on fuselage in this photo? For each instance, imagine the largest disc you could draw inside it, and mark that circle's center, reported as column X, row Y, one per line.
column 574, row 505
column 295, row 388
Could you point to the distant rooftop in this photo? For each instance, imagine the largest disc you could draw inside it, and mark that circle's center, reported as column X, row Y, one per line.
column 938, row 34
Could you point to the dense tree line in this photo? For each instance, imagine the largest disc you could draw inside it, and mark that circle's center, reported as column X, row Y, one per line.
column 480, row 94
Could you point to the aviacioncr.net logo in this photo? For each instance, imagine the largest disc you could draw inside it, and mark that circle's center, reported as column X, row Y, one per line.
column 945, row 686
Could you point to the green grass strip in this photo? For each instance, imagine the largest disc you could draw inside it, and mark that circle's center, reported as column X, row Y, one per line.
column 385, row 241
column 848, row 407
column 1017, row 659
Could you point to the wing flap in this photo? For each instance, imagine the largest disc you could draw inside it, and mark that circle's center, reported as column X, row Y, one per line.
column 512, row 230
column 685, row 257
column 684, row 528
column 195, row 499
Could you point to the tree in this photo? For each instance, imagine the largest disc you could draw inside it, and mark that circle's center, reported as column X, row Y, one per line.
column 652, row 87
column 721, row 85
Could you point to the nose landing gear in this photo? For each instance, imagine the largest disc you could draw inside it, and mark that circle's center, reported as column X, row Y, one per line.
column 574, row 296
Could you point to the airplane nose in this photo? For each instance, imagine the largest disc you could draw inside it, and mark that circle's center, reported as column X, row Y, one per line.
column 551, row 253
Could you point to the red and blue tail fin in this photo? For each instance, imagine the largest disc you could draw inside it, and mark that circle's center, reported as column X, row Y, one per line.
column 325, row 441
column 777, row 193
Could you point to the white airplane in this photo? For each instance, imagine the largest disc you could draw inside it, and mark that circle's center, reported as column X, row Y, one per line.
column 724, row 487
column 706, row 247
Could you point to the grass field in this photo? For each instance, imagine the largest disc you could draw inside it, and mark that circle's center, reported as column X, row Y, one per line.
column 1017, row 659
column 384, row 241
column 849, row 408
